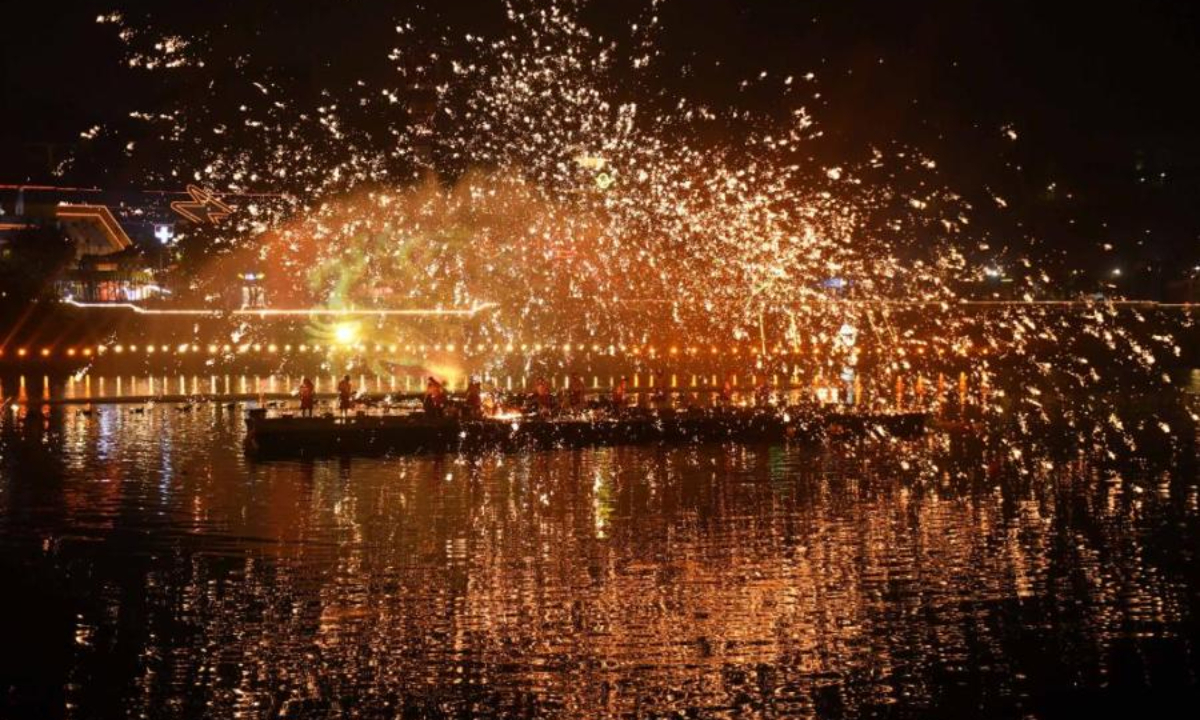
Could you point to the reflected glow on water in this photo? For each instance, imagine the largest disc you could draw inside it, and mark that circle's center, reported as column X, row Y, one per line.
column 913, row 391
column 167, row 574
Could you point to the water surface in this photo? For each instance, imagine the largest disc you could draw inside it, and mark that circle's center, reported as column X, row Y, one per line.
column 151, row 569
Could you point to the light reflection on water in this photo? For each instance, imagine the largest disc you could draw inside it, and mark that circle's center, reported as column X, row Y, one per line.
column 84, row 386
column 161, row 572
column 915, row 391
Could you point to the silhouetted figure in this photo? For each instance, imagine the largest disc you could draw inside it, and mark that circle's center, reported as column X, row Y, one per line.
column 308, row 397
column 659, row 398
column 726, row 396
column 575, row 392
column 435, row 397
column 620, row 393
column 345, row 395
column 541, row 395
column 474, row 399
column 762, row 394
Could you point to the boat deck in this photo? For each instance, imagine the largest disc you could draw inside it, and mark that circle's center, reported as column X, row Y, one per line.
column 416, row 432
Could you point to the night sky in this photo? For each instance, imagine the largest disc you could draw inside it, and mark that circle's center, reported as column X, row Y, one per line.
column 1101, row 95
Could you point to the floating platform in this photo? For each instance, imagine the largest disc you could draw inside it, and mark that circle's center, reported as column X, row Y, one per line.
column 417, row 433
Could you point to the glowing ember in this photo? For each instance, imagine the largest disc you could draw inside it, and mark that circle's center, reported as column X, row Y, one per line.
column 526, row 173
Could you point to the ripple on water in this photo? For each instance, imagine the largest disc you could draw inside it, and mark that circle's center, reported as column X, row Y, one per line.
column 189, row 579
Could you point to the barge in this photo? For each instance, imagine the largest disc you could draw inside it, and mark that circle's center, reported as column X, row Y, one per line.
column 416, row 433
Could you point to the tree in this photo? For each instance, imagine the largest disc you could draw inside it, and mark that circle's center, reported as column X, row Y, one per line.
column 31, row 260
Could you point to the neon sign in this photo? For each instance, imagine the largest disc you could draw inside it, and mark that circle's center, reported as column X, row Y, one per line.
column 203, row 207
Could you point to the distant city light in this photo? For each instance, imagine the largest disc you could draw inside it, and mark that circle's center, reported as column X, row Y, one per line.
column 164, row 233
column 288, row 312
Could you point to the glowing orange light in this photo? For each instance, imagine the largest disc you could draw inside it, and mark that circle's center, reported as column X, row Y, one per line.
column 297, row 312
column 116, row 236
column 203, row 202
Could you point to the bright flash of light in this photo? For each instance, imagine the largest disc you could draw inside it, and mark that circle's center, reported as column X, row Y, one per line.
column 346, row 333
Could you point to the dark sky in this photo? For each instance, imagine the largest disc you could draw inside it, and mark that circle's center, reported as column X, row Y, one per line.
column 1102, row 95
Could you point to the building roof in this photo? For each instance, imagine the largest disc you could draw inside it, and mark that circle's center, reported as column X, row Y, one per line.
column 93, row 228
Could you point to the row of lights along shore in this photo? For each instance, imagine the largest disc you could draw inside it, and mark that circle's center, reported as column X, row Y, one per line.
column 650, row 351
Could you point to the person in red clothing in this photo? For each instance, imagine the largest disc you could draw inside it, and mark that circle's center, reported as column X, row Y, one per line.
column 345, row 395
column 308, row 397
column 726, row 396
column 620, row 392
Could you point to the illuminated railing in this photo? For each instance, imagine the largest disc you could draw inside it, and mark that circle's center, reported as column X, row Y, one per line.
column 288, row 312
column 523, row 349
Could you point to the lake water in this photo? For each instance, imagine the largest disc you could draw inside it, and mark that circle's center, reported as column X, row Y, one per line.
column 151, row 569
